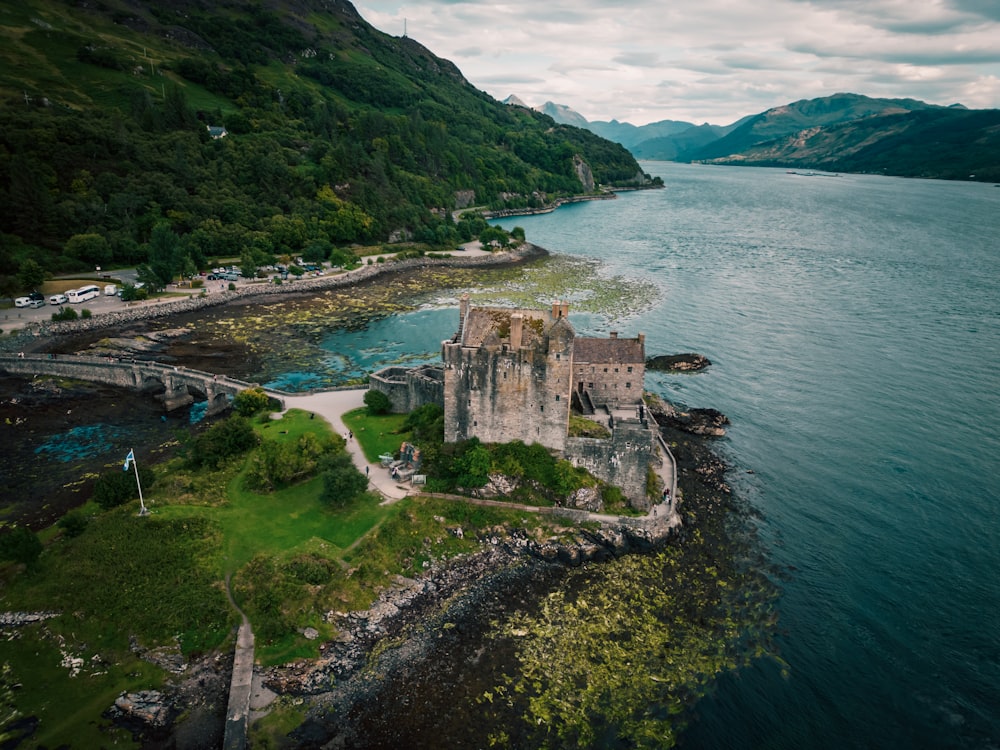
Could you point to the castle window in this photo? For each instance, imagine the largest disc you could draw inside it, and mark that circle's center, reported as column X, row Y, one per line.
column 605, row 369
column 558, row 356
column 557, row 397
column 628, row 385
column 590, row 385
column 542, row 408
column 630, row 369
column 474, row 423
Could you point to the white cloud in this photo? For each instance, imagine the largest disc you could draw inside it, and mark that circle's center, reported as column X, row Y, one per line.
column 708, row 60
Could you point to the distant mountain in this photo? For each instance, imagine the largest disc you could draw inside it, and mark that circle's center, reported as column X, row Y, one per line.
column 801, row 115
column 942, row 143
column 565, row 116
column 843, row 132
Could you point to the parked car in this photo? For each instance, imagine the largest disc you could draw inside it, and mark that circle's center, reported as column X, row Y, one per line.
column 37, row 303
column 58, row 299
column 22, row 301
column 36, row 296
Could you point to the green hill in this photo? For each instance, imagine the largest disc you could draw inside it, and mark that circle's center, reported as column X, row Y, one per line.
column 954, row 144
column 335, row 133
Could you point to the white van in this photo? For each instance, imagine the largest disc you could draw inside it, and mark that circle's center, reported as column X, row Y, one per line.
column 110, row 290
column 84, row 293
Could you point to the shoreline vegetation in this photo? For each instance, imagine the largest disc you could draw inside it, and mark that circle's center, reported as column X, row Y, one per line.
column 429, row 612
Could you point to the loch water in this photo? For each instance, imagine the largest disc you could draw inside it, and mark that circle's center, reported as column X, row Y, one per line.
column 853, row 323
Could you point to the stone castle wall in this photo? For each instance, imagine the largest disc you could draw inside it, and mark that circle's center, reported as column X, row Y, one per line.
column 409, row 388
column 621, row 460
column 499, row 395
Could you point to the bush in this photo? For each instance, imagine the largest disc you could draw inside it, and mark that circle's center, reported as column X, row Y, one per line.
column 73, row 523
column 222, row 440
column 21, row 545
column 342, row 482
column 280, row 464
column 66, row 313
column 117, row 487
column 377, row 402
column 251, row 401
column 232, row 286
column 85, row 313
column 132, row 293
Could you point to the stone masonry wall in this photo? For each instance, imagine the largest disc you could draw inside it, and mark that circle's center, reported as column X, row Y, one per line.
column 621, row 460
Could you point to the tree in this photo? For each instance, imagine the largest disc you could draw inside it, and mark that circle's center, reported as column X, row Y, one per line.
column 164, row 257
column 342, row 482
column 377, row 402
column 30, row 274
column 89, row 248
column 21, row 545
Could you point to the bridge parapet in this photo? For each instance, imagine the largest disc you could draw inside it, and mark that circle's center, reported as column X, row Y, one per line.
column 174, row 386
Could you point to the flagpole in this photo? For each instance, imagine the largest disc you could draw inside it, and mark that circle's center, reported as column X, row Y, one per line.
column 143, row 510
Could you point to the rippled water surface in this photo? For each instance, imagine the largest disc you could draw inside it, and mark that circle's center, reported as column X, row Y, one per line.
column 854, row 327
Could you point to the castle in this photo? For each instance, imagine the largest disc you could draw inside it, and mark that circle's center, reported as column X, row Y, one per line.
column 516, row 374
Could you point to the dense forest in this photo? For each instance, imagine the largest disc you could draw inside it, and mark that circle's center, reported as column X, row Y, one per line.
column 332, row 133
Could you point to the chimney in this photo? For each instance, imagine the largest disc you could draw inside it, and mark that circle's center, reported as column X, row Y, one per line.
column 516, row 328
column 613, row 334
column 642, row 339
column 555, row 310
column 564, row 309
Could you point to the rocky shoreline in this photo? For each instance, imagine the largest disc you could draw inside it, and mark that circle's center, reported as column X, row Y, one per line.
column 34, row 336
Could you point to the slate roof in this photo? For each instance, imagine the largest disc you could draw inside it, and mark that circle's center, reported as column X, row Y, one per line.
column 608, row 350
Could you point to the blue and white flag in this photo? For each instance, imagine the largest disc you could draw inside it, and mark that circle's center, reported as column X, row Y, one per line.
column 128, row 460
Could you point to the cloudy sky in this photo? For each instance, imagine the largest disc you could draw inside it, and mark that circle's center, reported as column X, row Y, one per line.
column 715, row 61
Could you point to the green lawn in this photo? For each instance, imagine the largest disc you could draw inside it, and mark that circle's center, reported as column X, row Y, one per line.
column 376, row 434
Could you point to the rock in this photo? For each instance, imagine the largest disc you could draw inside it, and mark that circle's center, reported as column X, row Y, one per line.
column 689, row 362
column 586, row 498
column 310, row 634
column 147, row 706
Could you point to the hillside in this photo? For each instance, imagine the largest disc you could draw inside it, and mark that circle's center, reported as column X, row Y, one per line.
column 806, row 113
column 935, row 143
column 333, row 133
column 841, row 133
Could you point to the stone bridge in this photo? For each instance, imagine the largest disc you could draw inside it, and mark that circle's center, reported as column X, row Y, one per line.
column 176, row 387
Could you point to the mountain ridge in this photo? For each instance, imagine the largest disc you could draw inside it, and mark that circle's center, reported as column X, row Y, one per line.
column 843, row 132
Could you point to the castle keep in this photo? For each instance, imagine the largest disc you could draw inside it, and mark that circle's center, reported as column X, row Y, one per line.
column 515, row 374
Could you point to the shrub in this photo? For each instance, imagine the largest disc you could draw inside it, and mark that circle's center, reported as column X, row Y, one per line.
column 232, row 286
column 85, row 313
column 73, row 523
column 66, row 313
column 342, row 482
column 281, row 464
column 377, row 402
column 225, row 439
column 131, row 293
column 116, row 487
column 21, row 545
column 250, row 402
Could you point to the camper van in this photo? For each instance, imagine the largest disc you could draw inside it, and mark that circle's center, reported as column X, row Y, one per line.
column 84, row 293
column 110, row 290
